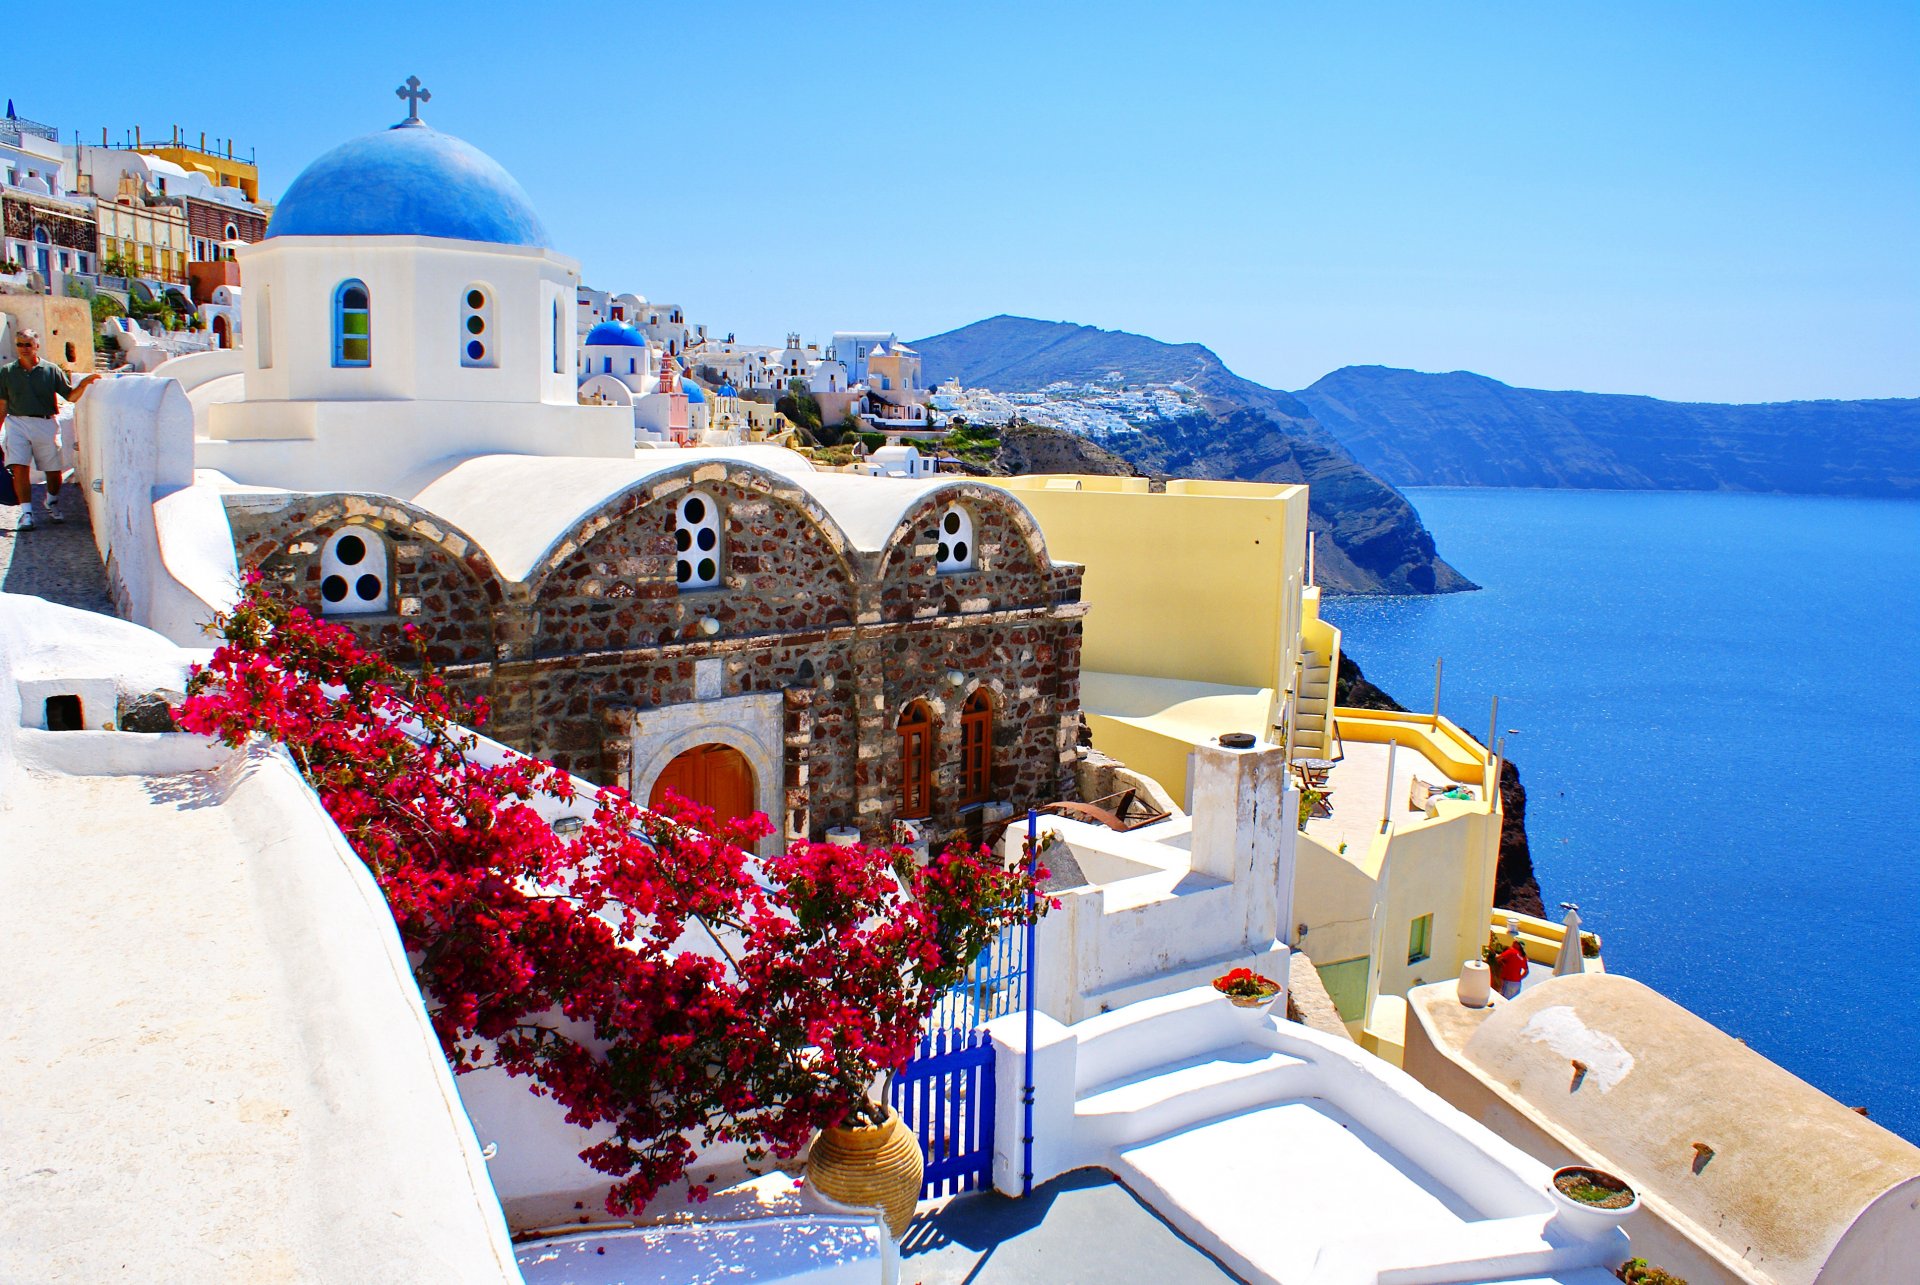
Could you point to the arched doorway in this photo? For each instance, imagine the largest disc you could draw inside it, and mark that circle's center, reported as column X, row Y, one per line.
column 220, row 331
column 718, row 776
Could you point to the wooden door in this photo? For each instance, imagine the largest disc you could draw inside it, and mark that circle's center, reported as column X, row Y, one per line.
column 916, row 762
column 718, row 776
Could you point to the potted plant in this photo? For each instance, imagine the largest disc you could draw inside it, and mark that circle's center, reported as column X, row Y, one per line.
column 1591, row 1199
column 1245, row 988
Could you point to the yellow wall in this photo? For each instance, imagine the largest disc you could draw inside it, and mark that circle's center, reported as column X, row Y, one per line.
column 1334, row 898
column 221, row 170
column 1444, row 868
column 1201, row 582
column 1449, row 747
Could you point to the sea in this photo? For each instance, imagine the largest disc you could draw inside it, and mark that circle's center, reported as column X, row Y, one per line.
column 1714, row 703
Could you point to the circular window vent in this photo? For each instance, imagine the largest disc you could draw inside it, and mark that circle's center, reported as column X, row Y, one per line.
column 353, row 573
column 696, row 542
column 955, row 551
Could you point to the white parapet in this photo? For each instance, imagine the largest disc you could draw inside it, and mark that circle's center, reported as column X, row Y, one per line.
column 1291, row 1156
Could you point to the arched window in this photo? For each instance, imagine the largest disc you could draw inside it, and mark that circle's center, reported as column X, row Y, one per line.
column 476, row 328
column 352, row 325
column 696, row 542
column 916, row 762
column 976, row 749
column 353, row 573
column 956, row 541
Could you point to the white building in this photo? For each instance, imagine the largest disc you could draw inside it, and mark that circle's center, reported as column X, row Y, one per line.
column 852, row 348
column 30, row 152
column 405, row 306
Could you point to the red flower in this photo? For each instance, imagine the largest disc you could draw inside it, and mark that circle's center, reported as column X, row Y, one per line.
column 834, row 956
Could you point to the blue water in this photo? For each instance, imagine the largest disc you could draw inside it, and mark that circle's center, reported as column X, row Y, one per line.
column 1716, row 711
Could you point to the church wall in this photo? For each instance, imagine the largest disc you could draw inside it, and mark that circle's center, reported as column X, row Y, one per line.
column 581, row 661
column 438, row 581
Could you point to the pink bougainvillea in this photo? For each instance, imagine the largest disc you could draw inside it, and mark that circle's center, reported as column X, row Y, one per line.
column 645, row 970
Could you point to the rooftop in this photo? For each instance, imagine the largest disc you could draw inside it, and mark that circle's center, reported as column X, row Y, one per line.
column 1790, row 1169
column 410, row 180
column 1358, row 792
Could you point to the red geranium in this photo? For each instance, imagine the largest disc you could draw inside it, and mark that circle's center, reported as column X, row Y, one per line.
column 1246, row 984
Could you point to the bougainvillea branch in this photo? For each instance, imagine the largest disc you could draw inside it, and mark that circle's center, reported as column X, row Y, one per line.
column 645, row 971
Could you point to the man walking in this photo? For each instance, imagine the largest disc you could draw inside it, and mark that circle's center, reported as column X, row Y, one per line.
column 29, row 389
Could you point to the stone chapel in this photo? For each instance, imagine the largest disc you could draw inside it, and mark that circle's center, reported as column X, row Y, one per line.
column 403, row 442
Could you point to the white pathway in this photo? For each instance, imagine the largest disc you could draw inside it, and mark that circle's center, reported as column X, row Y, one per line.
column 212, row 1062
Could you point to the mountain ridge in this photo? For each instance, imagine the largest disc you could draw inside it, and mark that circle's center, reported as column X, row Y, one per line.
column 1373, row 540
column 1462, row 428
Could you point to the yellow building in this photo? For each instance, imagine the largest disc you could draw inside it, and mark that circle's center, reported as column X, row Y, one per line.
column 222, row 168
column 1194, row 627
column 1200, row 622
column 149, row 238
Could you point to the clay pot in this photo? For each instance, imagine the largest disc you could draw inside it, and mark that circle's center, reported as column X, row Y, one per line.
column 1591, row 1219
column 868, row 1165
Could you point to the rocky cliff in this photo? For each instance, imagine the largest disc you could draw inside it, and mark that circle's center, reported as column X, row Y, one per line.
column 1371, row 540
column 1462, row 429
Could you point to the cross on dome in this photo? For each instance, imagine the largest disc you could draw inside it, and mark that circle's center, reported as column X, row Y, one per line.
column 414, row 94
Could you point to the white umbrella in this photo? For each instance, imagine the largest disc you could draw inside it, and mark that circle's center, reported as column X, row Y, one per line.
column 1571, row 958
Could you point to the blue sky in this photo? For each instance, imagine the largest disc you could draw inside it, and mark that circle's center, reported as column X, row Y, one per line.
column 1704, row 201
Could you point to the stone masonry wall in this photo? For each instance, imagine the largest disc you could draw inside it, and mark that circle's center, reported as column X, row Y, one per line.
column 850, row 638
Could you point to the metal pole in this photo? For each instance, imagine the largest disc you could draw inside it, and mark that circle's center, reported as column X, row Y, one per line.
column 1436, row 690
column 1026, row 1087
column 1493, row 722
column 1386, row 804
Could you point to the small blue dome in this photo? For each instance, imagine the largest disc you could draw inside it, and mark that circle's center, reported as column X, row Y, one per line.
column 408, row 181
column 726, row 390
column 693, row 391
column 615, row 334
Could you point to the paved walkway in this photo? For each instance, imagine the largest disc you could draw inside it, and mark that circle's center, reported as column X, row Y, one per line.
column 55, row 562
column 1083, row 1228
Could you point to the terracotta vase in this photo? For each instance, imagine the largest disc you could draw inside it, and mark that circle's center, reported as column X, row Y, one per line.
column 870, row 1165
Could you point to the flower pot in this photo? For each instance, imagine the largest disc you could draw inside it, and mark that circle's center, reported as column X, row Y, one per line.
column 1585, row 1217
column 1253, row 1001
column 869, row 1165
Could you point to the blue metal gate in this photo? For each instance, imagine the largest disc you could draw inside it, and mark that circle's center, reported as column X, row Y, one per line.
column 946, row 1094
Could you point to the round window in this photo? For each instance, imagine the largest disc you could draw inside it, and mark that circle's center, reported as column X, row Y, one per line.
column 696, row 541
column 955, row 550
column 353, row 573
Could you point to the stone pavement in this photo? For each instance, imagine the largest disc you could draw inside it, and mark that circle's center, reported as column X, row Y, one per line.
column 1082, row 1228
column 55, row 562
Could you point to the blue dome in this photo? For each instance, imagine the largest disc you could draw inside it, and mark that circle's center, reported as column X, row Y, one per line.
column 408, row 181
column 726, row 390
column 615, row 334
column 693, row 391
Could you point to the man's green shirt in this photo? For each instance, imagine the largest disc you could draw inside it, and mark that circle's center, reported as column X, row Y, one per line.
column 32, row 392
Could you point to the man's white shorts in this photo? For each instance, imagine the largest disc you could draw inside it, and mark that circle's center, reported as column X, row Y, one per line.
column 34, row 443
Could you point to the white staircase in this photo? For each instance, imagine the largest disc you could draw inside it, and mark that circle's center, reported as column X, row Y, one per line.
column 1315, row 705
column 1155, row 1100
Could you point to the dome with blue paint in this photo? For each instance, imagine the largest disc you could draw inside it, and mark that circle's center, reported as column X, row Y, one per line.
column 726, row 390
column 409, row 181
column 694, row 392
column 614, row 334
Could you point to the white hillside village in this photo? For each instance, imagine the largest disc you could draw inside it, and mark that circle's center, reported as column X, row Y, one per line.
column 1261, row 1020
column 1099, row 410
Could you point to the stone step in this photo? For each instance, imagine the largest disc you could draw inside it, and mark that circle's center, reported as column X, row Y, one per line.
column 1160, row 1099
